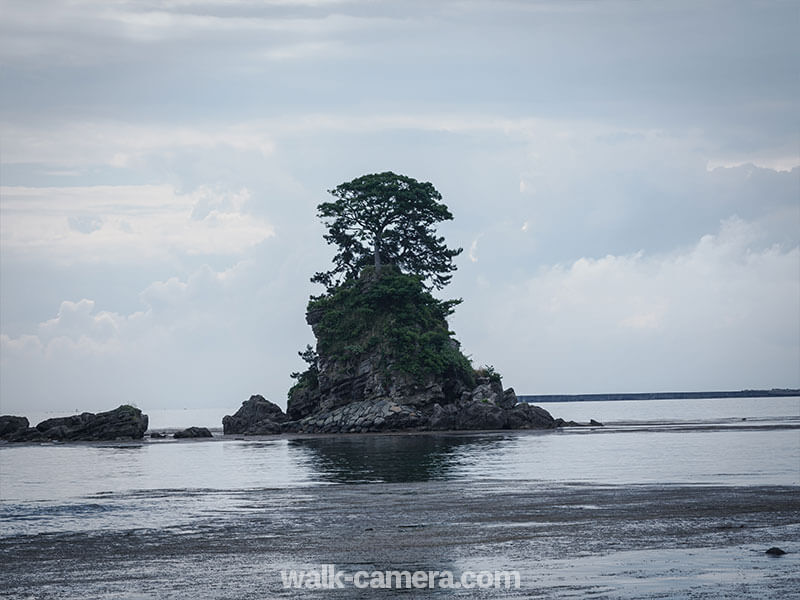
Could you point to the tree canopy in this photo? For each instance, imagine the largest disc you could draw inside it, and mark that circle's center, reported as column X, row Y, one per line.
column 385, row 218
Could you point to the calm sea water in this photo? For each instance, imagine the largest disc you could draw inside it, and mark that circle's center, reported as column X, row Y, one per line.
column 78, row 487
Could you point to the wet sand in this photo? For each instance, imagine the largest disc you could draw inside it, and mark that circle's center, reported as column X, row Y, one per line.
column 567, row 541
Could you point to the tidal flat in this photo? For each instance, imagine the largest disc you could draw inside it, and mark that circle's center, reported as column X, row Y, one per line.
column 654, row 508
column 566, row 541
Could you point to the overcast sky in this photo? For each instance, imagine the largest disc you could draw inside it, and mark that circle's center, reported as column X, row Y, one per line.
column 625, row 180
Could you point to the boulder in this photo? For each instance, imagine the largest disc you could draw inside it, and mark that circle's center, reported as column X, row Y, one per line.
column 302, row 403
column 509, row 399
column 442, row 418
column 528, row 416
column 480, row 414
column 60, row 427
column 363, row 416
column 193, row 432
column 775, row 551
column 125, row 422
column 29, row 434
column 9, row 425
column 256, row 416
column 488, row 391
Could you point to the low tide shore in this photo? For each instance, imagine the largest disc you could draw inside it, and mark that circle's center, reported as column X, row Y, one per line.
column 567, row 541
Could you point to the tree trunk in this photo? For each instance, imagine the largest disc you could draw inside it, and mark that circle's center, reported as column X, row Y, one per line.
column 378, row 253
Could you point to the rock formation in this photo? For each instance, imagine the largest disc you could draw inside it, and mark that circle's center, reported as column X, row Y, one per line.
column 10, row 425
column 125, row 422
column 193, row 432
column 257, row 416
column 385, row 360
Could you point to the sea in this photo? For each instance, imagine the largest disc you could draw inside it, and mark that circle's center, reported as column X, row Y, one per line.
column 49, row 490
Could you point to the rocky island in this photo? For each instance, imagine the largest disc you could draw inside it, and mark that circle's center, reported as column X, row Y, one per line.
column 385, row 358
column 123, row 423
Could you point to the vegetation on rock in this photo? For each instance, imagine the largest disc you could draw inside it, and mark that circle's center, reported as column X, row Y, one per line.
column 385, row 218
column 385, row 358
column 378, row 302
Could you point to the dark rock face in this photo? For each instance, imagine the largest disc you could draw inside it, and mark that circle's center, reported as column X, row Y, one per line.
column 385, row 359
column 125, row 422
column 563, row 423
column 193, row 432
column 302, row 404
column 388, row 415
column 340, row 384
column 476, row 410
column 9, row 425
column 257, row 416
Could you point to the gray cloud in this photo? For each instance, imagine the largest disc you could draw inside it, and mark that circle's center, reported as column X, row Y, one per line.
column 629, row 169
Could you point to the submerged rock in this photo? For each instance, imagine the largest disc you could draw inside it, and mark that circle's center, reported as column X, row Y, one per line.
column 193, row 432
column 591, row 423
column 125, row 422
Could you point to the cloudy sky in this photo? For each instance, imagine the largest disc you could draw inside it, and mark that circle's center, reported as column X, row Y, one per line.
column 625, row 180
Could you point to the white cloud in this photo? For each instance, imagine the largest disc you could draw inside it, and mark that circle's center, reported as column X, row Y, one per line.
column 473, row 249
column 784, row 163
column 119, row 144
column 209, row 338
column 109, row 223
column 723, row 313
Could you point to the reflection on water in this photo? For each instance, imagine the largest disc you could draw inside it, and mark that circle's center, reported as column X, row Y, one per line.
column 393, row 458
column 85, row 486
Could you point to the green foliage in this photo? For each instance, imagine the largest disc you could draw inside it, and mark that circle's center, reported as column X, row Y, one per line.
column 488, row 372
column 385, row 218
column 377, row 299
column 392, row 313
column 310, row 377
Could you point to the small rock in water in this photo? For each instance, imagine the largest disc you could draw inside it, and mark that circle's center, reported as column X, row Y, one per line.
column 194, row 432
column 775, row 551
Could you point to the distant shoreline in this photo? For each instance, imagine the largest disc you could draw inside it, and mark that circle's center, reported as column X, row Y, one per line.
column 773, row 393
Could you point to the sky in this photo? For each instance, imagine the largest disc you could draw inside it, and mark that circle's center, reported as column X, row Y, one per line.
column 624, row 177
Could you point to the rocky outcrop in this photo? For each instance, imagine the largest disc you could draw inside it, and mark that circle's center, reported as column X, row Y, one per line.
column 591, row 423
column 256, row 416
column 193, row 432
column 10, row 425
column 385, row 359
column 125, row 422
column 361, row 417
column 487, row 407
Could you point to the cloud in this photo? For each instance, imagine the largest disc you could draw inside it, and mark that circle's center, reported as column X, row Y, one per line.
column 73, row 34
column 119, row 144
column 721, row 313
column 473, row 248
column 209, row 339
column 780, row 163
column 111, row 223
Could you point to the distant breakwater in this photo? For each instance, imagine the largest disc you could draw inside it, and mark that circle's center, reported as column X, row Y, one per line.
column 658, row 396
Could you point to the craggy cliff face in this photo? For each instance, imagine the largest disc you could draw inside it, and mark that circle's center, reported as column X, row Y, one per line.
column 386, row 360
